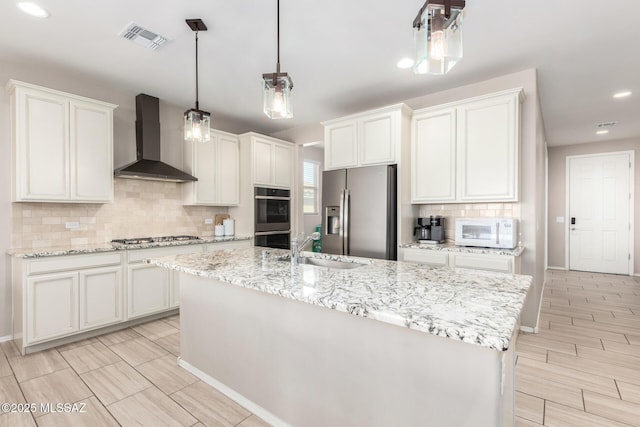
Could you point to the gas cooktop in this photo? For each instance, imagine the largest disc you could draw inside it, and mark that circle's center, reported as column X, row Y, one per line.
column 142, row 240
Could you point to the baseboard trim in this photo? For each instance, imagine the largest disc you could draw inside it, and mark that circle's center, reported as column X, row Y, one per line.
column 234, row 395
column 6, row 338
column 556, row 268
column 529, row 329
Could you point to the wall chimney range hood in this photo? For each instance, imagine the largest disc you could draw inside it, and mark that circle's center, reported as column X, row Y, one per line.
column 148, row 165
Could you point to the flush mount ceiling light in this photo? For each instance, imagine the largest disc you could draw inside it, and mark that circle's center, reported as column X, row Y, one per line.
column 33, row 9
column 602, row 132
column 438, row 36
column 622, row 94
column 277, row 86
column 197, row 123
column 405, row 63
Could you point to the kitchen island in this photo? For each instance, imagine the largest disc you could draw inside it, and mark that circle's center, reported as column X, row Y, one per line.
column 386, row 343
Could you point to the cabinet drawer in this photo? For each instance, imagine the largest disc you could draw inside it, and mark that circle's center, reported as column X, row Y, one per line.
column 502, row 264
column 137, row 255
column 72, row 262
column 228, row 245
column 425, row 256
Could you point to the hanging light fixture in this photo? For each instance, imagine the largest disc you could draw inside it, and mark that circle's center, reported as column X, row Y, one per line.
column 438, row 36
column 197, row 122
column 277, row 87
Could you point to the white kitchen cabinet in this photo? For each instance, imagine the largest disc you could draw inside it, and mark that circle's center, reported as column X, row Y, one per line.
column 271, row 161
column 101, row 297
column 148, row 290
column 52, row 306
column 369, row 138
column 467, row 151
column 499, row 263
column 424, row 256
column 433, row 156
column 216, row 165
column 62, row 146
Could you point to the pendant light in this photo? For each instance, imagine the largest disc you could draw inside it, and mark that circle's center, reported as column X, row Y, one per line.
column 197, row 122
column 277, row 87
column 438, row 36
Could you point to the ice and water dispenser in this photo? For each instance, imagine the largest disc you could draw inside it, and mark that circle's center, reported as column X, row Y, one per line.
column 332, row 220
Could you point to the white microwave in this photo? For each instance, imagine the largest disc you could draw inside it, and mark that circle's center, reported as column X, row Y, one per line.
column 487, row 232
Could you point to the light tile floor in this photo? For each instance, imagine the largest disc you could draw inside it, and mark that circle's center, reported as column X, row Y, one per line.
column 582, row 369
column 127, row 378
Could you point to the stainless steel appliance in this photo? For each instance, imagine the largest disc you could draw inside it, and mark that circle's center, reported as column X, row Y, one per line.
column 487, row 232
column 272, row 217
column 359, row 212
column 430, row 229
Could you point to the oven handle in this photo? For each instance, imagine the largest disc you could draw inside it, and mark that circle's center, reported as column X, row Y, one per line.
column 272, row 198
column 271, row 233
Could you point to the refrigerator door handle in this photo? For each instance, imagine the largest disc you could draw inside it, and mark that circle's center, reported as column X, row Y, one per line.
column 347, row 202
column 341, row 226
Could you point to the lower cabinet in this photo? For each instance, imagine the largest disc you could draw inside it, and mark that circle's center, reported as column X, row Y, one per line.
column 53, row 306
column 101, row 297
column 148, row 290
column 488, row 262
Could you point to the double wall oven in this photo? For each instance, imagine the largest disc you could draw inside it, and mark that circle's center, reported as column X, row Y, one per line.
column 272, row 217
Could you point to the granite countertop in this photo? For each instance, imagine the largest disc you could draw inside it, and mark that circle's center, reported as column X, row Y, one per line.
column 477, row 307
column 450, row 247
column 111, row 247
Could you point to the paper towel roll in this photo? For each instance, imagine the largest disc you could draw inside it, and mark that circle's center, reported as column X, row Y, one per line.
column 219, row 230
column 229, row 227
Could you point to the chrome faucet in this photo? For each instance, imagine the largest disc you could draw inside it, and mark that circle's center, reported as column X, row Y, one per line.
column 297, row 248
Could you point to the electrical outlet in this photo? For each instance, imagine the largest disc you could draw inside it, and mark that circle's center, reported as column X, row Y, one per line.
column 208, row 221
column 72, row 225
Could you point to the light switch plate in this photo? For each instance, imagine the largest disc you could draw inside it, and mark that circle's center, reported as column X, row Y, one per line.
column 560, row 219
column 208, row 220
column 72, row 225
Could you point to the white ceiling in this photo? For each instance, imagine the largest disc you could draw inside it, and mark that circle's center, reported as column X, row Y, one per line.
column 342, row 55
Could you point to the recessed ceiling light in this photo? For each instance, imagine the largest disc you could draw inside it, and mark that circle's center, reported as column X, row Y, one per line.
column 623, row 94
column 602, row 132
column 33, row 9
column 405, row 63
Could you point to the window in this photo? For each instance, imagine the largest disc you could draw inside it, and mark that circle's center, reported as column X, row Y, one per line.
column 311, row 179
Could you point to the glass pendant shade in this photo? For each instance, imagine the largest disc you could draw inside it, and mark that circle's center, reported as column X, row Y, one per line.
column 197, row 126
column 438, row 40
column 277, row 95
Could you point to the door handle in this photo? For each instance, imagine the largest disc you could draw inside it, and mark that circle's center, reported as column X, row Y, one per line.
column 573, row 220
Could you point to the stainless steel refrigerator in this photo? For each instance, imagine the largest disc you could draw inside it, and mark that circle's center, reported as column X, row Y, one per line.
column 359, row 212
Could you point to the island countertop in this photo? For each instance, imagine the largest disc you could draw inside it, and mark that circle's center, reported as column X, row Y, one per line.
column 476, row 307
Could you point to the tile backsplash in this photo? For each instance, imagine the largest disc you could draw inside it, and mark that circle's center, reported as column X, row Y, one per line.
column 469, row 210
column 140, row 208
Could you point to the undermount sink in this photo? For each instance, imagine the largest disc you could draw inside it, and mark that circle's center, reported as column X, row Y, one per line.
column 327, row 263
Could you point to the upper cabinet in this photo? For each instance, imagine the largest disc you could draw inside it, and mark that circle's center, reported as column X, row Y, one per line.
column 467, row 151
column 271, row 161
column 62, row 146
column 370, row 138
column 216, row 164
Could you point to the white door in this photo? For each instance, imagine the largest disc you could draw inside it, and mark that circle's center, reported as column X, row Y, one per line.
column 377, row 142
column 53, row 306
column 599, row 212
column 282, row 162
column 101, row 298
column 148, row 290
column 341, row 149
column 262, row 162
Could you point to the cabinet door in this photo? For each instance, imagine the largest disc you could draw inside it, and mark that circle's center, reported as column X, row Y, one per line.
column 52, row 306
column 488, row 136
column 228, row 169
column 205, row 161
column 101, row 299
column 148, row 290
column 41, row 125
column 262, row 162
column 501, row 263
column 433, row 157
column 282, row 165
column 377, row 139
column 341, row 149
column 424, row 256
column 91, row 148
column 174, row 294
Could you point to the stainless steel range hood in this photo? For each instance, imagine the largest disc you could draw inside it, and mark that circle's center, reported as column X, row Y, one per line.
column 148, row 165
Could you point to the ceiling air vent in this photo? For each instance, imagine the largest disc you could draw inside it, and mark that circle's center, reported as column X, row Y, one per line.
column 605, row 125
column 142, row 36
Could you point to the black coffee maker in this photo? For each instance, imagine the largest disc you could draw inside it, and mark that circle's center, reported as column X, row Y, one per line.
column 430, row 230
